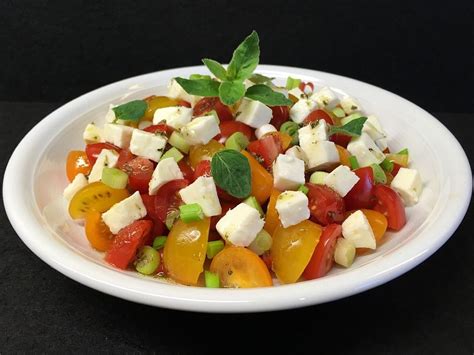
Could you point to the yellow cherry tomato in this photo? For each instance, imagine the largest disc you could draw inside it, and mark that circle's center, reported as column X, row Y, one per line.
column 262, row 180
column 95, row 197
column 401, row 159
column 97, row 232
column 205, row 151
column 156, row 102
column 185, row 250
column 343, row 155
column 271, row 218
column 240, row 267
column 292, row 249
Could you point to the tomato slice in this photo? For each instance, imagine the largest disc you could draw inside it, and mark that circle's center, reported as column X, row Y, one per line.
column 93, row 150
column 325, row 204
column 139, row 172
column 280, row 114
column 124, row 157
column 266, row 149
column 97, row 232
column 262, row 180
column 161, row 128
column 187, row 171
column 167, row 199
column 77, row 163
column 361, row 195
column 207, row 104
column 272, row 220
column 317, row 115
column 323, row 256
column 204, row 169
column 390, row 205
column 340, row 139
column 158, row 226
column 228, row 128
column 396, row 168
column 155, row 102
column 303, row 85
column 127, row 242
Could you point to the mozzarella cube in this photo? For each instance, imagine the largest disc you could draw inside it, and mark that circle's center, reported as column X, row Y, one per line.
column 288, row 172
column 322, row 155
column 124, row 213
column 311, row 134
column 407, row 183
column 147, row 145
column 200, row 130
column 240, row 225
column 373, row 128
column 266, row 128
column 292, row 207
column 350, row 105
column 167, row 170
column 107, row 158
column 325, row 97
column 76, row 184
column 117, row 134
column 203, row 191
column 365, row 150
column 297, row 153
column 175, row 116
column 301, row 109
column 254, row 113
column 92, row 134
column 382, row 143
column 110, row 115
column 298, row 93
column 357, row 229
column 176, row 91
column 341, row 180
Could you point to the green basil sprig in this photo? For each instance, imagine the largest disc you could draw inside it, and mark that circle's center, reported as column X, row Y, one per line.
column 131, row 111
column 352, row 128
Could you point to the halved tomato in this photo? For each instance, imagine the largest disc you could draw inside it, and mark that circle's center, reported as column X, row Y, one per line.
column 97, row 232
column 266, row 149
column 228, row 128
column 93, row 150
column 207, row 104
column 325, row 204
column 391, row 206
column 167, row 198
column 139, row 172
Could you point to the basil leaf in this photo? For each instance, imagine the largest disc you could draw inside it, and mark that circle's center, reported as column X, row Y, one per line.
column 245, row 58
column 231, row 172
column 216, row 68
column 200, row 87
column 131, row 111
column 231, row 91
column 260, row 79
column 199, row 76
column 352, row 128
column 266, row 95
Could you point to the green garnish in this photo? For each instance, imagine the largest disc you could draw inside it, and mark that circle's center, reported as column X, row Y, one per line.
column 211, row 280
column 339, row 112
column 147, row 261
column 173, row 153
column 252, row 202
column 199, row 76
column 237, row 141
column 159, row 242
column 354, row 163
column 291, row 128
column 352, row 128
column 292, row 83
column 387, row 165
column 260, row 79
column 231, row 91
column 318, row 177
column 200, row 87
column 191, row 212
column 303, row 189
column 231, row 172
column 266, row 95
column 131, row 111
column 213, row 248
column 379, row 174
column 114, row 178
column 262, row 242
column 403, row 151
column 178, row 141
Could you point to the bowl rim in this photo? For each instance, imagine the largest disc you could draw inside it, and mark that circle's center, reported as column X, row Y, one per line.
column 24, row 217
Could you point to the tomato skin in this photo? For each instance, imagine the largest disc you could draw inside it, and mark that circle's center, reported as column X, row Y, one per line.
column 168, row 199
column 158, row 226
column 317, row 115
column 272, row 220
column 302, row 85
column 93, row 150
column 362, row 194
column 340, row 139
column 280, row 114
column 139, row 172
column 262, row 180
column 396, row 168
column 127, row 242
column 160, row 127
column 390, row 205
column 187, row 171
column 207, row 104
column 226, row 206
column 97, row 232
column 184, row 103
column 325, row 204
column 267, row 148
column 197, row 153
column 124, row 157
column 230, row 127
column 323, row 256
column 77, row 163
column 204, row 169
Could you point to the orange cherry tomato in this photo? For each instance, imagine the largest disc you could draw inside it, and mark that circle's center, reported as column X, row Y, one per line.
column 202, row 152
column 156, row 102
column 271, row 218
column 239, row 267
column 76, row 163
column 262, row 180
column 343, row 156
column 285, row 140
column 292, row 249
column 97, row 232
column 378, row 222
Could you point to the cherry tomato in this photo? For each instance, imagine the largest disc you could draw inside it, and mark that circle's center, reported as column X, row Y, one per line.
column 187, row 171
column 77, row 163
column 340, row 139
column 280, row 114
column 272, row 220
column 204, row 169
column 266, row 148
column 396, row 168
column 317, row 115
column 139, row 172
column 284, row 138
column 156, row 102
column 160, row 127
column 390, row 205
column 361, row 195
column 325, row 204
column 184, row 103
column 262, row 180
column 167, row 199
column 207, row 104
column 323, row 256
column 127, row 242
column 267, row 259
column 158, row 226
column 230, row 127
column 303, row 84
column 97, row 232
column 343, row 155
column 203, row 152
column 93, row 150
column 124, row 157
column 378, row 222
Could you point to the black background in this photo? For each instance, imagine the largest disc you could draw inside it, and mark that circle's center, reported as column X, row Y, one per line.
column 55, row 51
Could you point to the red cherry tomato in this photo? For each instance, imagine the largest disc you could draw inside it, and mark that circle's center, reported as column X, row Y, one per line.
column 187, row 171
column 325, row 204
column 160, row 127
column 323, row 256
column 158, row 226
column 167, row 199
column 127, row 242
column 362, row 194
column 184, row 103
column 280, row 114
column 204, row 169
column 230, row 127
column 266, row 148
column 395, row 169
column 391, row 205
column 317, row 115
column 340, row 139
column 303, row 84
column 93, row 150
column 225, row 207
column 207, row 104
column 139, row 172
column 124, row 157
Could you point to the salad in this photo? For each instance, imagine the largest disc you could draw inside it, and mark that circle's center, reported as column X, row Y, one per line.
column 232, row 181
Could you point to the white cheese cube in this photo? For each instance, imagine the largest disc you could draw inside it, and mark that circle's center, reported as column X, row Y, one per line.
column 76, row 184
column 200, row 130
column 382, row 143
column 325, row 97
column 365, row 150
column 92, row 134
column 240, row 225
column 292, row 207
column 254, row 113
column 407, row 183
column 124, row 213
column 301, row 109
column 373, row 128
column 350, row 105
column 203, row 191
column 117, row 134
column 341, row 180
column 147, row 145
column 311, row 134
column 296, row 92
column 266, row 128
column 175, row 116
column 297, row 153
column 107, row 158
column 175, row 91
column 166, row 170
column 288, row 172
column 321, row 156
column 357, row 229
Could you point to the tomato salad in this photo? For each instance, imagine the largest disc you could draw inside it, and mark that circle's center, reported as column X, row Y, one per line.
column 230, row 180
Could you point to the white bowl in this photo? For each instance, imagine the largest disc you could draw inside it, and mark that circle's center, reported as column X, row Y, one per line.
column 35, row 178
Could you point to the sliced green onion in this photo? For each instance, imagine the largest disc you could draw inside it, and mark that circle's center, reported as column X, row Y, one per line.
column 178, row 141
column 173, row 153
column 159, row 242
column 291, row 128
column 199, row 76
column 403, row 151
column 214, row 247
column 339, row 112
column 171, row 217
column 114, row 178
column 318, row 177
column 351, row 117
column 147, row 261
column 387, row 165
column 354, row 163
column 379, row 174
column 237, row 141
column 303, row 189
column 262, row 242
column 211, row 279
column 252, row 202
column 191, row 212
column 292, row 83
column 344, row 253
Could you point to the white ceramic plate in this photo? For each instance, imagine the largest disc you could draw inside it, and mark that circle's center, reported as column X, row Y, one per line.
column 35, row 178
